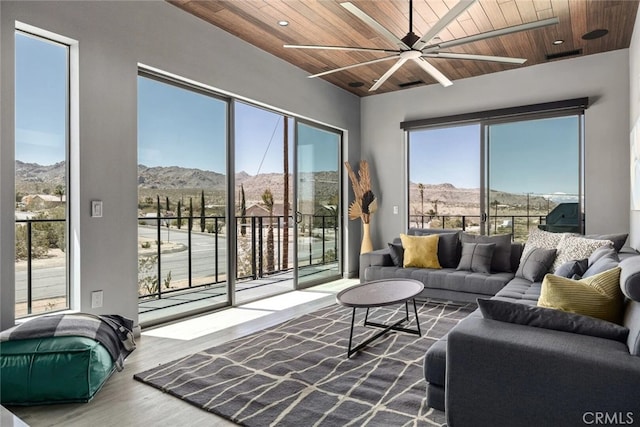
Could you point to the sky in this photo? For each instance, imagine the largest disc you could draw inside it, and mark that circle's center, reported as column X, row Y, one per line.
column 176, row 127
column 41, row 82
column 536, row 156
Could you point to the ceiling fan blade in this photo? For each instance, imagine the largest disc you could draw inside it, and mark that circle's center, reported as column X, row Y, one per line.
column 455, row 11
column 374, row 24
column 346, row 48
column 433, row 72
column 490, row 34
column 324, row 73
column 466, row 56
column 388, row 74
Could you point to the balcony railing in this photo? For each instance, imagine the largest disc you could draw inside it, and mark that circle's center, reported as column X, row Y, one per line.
column 517, row 225
column 34, row 239
column 317, row 245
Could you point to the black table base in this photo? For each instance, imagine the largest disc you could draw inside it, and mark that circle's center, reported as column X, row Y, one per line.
column 385, row 328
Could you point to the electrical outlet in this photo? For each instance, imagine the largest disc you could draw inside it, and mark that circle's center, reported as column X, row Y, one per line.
column 96, row 299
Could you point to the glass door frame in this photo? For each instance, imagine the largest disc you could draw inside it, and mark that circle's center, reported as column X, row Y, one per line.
column 296, row 214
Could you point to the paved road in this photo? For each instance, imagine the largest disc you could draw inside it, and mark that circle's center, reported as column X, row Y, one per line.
column 49, row 277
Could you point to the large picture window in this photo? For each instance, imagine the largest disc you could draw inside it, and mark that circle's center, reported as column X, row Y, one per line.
column 497, row 175
column 41, row 153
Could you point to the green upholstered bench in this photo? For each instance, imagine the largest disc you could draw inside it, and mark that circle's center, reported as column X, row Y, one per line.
column 52, row 370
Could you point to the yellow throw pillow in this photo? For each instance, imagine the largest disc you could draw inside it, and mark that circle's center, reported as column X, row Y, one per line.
column 420, row 251
column 596, row 296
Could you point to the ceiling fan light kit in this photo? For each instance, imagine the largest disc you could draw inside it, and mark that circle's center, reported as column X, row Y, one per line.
column 417, row 49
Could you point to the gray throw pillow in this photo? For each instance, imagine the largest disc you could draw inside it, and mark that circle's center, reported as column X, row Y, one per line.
column 535, row 264
column 549, row 318
column 476, row 257
column 618, row 239
column 601, row 252
column 502, row 255
column 603, row 263
column 573, row 268
column 397, row 254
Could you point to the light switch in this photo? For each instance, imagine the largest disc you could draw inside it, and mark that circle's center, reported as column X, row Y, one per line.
column 395, row 210
column 96, row 208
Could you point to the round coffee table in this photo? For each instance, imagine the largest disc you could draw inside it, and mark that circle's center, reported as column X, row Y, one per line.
column 381, row 293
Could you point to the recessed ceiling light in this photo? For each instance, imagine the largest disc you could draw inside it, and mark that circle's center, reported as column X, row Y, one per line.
column 557, row 42
column 283, row 23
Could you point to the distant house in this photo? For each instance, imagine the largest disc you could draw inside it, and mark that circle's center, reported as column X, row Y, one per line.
column 259, row 209
column 43, row 201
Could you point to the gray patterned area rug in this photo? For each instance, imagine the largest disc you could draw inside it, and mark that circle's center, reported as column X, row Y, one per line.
column 297, row 373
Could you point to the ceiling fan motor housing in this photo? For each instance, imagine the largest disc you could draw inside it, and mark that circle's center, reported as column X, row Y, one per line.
column 410, row 39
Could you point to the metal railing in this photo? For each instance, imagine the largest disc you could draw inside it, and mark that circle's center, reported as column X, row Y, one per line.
column 28, row 249
column 517, row 225
column 318, row 245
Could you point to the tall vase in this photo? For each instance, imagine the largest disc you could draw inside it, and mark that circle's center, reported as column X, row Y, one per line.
column 367, row 245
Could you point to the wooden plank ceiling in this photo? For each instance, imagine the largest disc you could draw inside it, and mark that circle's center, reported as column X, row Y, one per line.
column 325, row 22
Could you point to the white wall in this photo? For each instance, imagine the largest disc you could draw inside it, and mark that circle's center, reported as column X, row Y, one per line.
column 113, row 38
column 604, row 78
column 634, row 114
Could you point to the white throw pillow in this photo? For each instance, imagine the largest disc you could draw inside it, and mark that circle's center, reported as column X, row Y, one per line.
column 540, row 239
column 575, row 247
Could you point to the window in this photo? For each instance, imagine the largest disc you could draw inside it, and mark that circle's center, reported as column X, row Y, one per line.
column 182, row 193
column 41, row 153
column 498, row 172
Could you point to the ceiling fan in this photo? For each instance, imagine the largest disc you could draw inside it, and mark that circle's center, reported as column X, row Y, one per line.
column 414, row 48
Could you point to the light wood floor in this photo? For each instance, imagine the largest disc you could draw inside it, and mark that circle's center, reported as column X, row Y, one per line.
column 125, row 402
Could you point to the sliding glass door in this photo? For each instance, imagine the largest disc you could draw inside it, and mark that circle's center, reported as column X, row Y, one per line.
column 445, row 179
column 534, row 175
column 498, row 176
column 317, row 190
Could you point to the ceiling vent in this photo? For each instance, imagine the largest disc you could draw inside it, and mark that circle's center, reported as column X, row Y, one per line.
column 565, row 54
column 409, row 84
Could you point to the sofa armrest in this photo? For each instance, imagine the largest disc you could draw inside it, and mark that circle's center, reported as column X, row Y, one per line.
column 506, row 374
column 379, row 257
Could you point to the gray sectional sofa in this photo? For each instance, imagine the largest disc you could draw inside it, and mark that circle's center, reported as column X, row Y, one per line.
column 447, row 283
column 527, row 370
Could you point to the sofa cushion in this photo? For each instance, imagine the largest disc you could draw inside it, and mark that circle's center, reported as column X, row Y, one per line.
column 576, row 247
column 501, row 260
column 548, row 318
column 455, row 280
column 448, row 245
column 572, row 268
column 536, row 263
column 420, row 251
column 520, row 290
column 396, row 251
column 476, row 257
column 598, row 296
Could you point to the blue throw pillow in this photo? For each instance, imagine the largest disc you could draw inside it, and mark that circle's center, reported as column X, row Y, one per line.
column 574, row 268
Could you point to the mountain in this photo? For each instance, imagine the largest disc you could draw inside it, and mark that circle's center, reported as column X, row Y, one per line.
column 171, row 177
column 35, row 173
